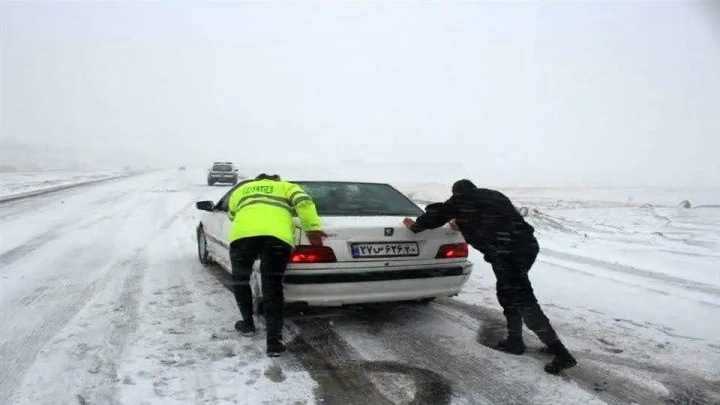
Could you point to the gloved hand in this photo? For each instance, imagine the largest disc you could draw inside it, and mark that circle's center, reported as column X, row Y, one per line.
column 316, row 237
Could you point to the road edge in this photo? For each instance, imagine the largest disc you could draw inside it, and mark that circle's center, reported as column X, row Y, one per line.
column 35, row 193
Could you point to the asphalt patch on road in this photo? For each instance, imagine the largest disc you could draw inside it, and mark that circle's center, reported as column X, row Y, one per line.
column 343, row 375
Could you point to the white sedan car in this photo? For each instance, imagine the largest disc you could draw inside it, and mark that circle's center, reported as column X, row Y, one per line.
column 368, row 257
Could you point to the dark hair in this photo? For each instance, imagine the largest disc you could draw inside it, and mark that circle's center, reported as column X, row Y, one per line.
column 462, row 186
column 263, row 176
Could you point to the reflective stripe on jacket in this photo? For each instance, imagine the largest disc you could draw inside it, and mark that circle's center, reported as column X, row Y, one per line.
column 266, row 208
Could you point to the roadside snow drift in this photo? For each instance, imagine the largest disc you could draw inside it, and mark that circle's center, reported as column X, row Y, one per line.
column 26, row 184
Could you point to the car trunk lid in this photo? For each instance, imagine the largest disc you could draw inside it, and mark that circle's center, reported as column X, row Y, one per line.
column 382, row 238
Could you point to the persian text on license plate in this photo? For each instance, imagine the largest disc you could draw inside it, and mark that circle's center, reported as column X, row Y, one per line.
column 384, row 249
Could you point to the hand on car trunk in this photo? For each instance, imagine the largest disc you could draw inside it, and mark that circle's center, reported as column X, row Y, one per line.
column 408, row 222
column 316, row 237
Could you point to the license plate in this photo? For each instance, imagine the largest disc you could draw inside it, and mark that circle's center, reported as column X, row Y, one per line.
column 400, row 249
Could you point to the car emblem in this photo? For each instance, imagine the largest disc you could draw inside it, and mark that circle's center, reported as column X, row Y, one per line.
column 389, row 231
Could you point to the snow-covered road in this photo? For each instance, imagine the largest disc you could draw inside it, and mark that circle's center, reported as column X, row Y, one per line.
column 103, row 301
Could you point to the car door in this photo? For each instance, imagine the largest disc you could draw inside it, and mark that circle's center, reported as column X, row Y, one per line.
column 214, row 229
column 221, row 228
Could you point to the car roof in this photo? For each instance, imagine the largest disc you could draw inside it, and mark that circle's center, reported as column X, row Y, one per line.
column 235, row 187
column 339, row 182
column 320, row 182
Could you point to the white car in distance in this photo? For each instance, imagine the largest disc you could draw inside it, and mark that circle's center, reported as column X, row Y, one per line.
column 368, row 257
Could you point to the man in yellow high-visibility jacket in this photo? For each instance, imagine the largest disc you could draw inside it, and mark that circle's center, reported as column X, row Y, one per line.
column 261, row 212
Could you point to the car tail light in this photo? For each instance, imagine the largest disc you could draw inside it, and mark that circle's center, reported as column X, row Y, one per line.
column 312, row 254
column 452, row 251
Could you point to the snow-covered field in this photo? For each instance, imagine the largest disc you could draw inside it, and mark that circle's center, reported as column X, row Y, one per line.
column 103, row 301
column 13, row 185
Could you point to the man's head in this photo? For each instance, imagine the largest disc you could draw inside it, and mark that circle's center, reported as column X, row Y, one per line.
column 263, row 176
column 463, row 186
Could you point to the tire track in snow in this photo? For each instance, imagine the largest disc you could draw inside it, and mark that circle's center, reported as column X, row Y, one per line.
column 103, row 388
column 171, row 302
column 68, row 290
column 28, row 247
column 691, row 254
column 104, row 367
column 58, row 230
column 19, row 354
column 602, row 375
column 321, row 352
column 342, row 375
column 627, row 283
column 402, row 329
column 37, row 242
column 625, row 269
column 16, row 208
column 329, row 362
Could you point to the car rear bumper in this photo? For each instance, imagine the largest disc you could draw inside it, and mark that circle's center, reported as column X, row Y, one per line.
column 222, row 178
column 335, row 288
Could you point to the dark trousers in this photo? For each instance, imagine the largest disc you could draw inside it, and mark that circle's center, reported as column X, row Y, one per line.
column 516, row 295
column 274, row 255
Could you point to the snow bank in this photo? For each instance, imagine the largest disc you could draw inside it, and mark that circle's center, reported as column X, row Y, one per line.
column 432, row 181
column 571, row 198
column 631, row 279
column 24, row 184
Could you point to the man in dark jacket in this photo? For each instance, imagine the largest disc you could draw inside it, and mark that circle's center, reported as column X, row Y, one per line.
column 490, row 223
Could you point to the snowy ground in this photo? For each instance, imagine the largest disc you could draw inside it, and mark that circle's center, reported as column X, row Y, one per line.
column 103, row 301
column 24, row 183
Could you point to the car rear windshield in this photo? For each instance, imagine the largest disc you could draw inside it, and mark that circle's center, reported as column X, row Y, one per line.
column 222, row 168
column 359, row 199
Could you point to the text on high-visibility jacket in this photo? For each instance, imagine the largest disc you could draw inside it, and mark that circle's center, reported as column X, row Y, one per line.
column 265, row 208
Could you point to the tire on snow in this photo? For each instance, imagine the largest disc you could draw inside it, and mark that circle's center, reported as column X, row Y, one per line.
column 203, row 254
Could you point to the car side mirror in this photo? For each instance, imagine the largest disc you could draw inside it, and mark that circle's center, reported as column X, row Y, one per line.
column 205, row 205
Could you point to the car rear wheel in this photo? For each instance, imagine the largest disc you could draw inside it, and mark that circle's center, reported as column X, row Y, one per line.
column 203, row 254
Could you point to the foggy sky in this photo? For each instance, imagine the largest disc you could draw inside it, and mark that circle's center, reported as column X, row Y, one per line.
column 519, row 93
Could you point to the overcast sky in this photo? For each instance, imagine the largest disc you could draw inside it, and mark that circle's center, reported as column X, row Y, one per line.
column 523, row 93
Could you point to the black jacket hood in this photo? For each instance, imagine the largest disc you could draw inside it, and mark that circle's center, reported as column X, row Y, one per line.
column 463, row 186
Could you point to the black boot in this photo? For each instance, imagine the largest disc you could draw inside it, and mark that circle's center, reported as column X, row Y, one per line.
column 275, row 347
column 512, row 345
column 562, row 360
column 245, row 328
